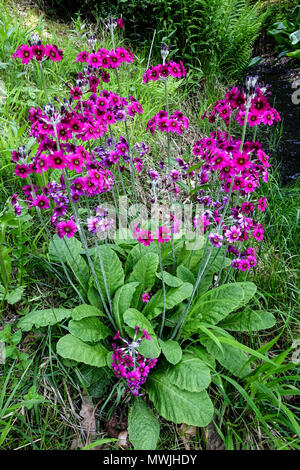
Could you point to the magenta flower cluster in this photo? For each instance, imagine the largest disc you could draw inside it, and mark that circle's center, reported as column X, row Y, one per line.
column 176, row 122
column 38, row 52
column 60, row 136
column 260, row 111
column 106, row 59
column 170, row 68
column 129, row 365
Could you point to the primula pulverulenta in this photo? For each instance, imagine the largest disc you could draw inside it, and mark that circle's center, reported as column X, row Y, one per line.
column 128, row 364
column 36, row 51
column 60, row 136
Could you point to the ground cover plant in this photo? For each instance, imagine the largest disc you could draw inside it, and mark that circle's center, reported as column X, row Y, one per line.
column 157, row 315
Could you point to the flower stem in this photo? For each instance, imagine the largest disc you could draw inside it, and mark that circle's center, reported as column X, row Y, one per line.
column 43, row 81
column 164, row 291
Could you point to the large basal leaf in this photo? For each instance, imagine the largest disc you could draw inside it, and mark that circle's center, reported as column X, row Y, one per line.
column 185, row 274
column 143, row 426
column 248, row 320
column 201, row 352
column 70, row 250
column 85, row 311
column 232, row 358
column 171, row 350
column 249, row 289
column 144, row 273
column 192, row 258
column 169, row 280
column 190, row 374
column 216, row 304
column 178, row 251
column 73, row 348
column 174, row 296
column 122, row 301
column 47, row 317
column 148, row 348
column 93, row 295
column 136, row 254
column 176, row 405
column 112, row 267
column 89, row 329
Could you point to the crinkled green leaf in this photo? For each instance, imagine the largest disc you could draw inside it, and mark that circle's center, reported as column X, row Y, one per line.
column 169, row 280
column 112, row 268
column 89, row 329
column 85, row 311
column 136, row 254
column 122, row 301
column 216, row 304
column 73, row 348
column 14, row 296
column 174, row 296
column 171, row 350
column 177, row 405
column 144, row 273
column 232, row 358
column 200, row 352
column 190, row 374
column 143, row 426
column 248, row 320
column 185, row 274
column 47, row 317
column 70, row 251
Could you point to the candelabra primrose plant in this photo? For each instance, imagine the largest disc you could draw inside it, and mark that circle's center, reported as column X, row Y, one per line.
column 157, row 303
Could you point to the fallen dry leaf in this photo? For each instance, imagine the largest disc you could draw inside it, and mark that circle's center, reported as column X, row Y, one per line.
column 214, row 441
column 123, row 439
column 88, row 423
column 187, row 433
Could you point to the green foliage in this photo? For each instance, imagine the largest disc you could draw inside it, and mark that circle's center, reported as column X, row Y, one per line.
column 287, row 35
column 214, row 37
column 171, row 350
column 248, row 320
column 122, row 301
column 40, row 318
column 107, row 260
column 190, row 374
column 85, row 311
column 175, row 295
column 143, row 427
column 73, row 348
column 144, row 273
column 89, row 329
column 176, row 404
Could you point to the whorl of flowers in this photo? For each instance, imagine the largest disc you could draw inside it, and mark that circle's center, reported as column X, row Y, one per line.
column 175, row 123
column 235, row 101
column 60, row 135
column 129, row 365
column 237, row 169
column 170, row 68
column 106, row 59
column 238, row 172
column 35, row 50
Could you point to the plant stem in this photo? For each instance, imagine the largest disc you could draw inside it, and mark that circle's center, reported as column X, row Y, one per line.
column 169, row 170
column 164, row 291
column 43, row 81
